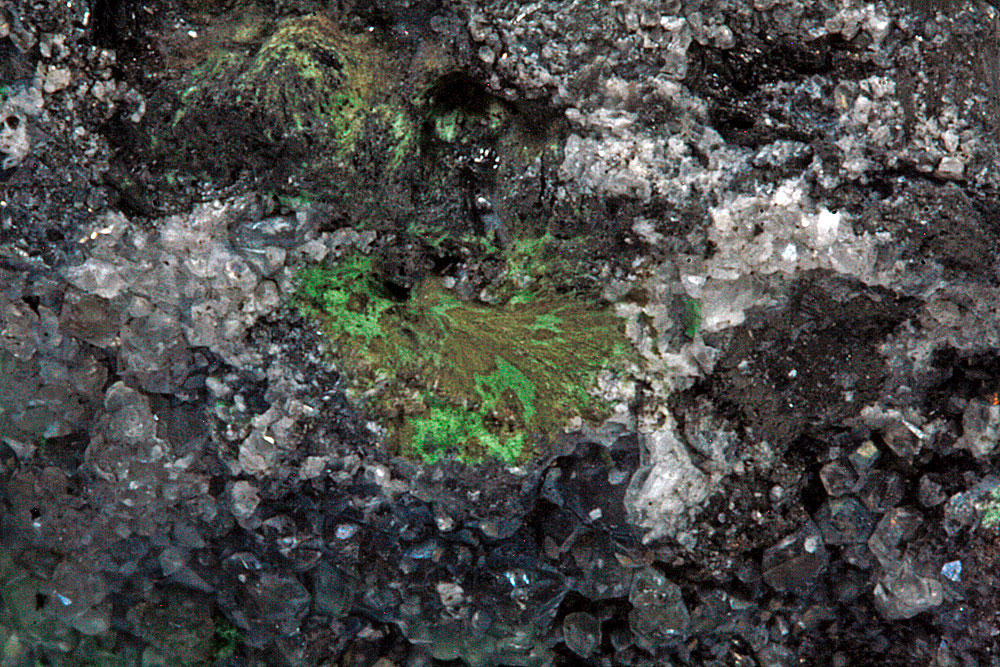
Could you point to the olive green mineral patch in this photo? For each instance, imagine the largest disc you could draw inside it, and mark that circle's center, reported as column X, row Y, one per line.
column 309, row 72
column 306, row 77
column 300, row 107
column 451, row 376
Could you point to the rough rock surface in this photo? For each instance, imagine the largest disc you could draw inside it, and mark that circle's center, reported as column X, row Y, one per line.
column 791, row 206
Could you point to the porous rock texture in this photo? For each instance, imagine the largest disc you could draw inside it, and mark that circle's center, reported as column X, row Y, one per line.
column 793, row 207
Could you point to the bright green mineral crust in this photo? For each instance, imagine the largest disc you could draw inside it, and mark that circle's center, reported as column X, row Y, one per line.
column 451, row 376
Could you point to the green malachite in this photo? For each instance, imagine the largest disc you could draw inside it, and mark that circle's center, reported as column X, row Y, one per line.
column 452, row 376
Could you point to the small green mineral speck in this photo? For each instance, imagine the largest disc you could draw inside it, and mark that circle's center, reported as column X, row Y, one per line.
column 547, row 322
column 226, row 639
column 507, row 378
column 991, row 510
column 692, row 317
